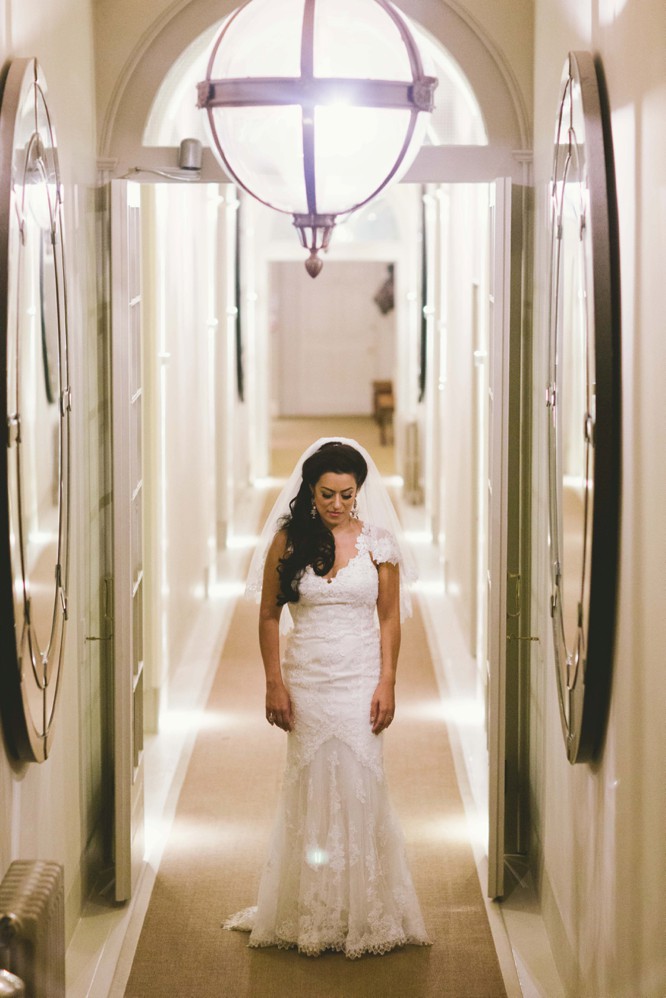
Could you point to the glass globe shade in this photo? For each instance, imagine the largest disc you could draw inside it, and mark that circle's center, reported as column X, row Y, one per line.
column 315, row 106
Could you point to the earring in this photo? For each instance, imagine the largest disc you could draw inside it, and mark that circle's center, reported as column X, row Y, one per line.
column 354, row 511
column 313, row 509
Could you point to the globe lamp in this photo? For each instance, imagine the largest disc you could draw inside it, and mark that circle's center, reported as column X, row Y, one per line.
column 315, row 106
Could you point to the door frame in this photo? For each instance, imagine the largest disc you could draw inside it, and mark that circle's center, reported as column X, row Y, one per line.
column 127, row 570
column 509, row 539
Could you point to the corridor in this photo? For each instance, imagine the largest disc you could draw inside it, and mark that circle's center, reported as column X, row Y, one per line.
column 167, row 355
column 212, row 777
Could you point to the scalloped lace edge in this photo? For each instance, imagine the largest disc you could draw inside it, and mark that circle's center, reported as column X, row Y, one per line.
column 340, row 946
column 242, row 922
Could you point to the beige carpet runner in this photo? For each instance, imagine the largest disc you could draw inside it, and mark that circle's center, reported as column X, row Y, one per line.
column 212, row 862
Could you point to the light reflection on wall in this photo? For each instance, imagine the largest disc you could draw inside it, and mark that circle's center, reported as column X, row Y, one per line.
column 610, row 10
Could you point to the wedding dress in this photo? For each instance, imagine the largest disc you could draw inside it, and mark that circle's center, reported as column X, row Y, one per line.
column 337, row 875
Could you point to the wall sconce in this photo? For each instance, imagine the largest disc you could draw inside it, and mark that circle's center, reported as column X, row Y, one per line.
column 315, row 106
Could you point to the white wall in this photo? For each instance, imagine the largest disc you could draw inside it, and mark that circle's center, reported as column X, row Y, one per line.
column 460, row 325
column 186, row 357
column 599, row 830
column 454, row 412
column 332, row 341
column 53, row 810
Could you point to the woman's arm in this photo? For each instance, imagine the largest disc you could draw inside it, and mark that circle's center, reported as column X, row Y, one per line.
column 278, row 704
column 382, row 707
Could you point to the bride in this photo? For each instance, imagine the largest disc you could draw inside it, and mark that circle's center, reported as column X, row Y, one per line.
column 336, row 876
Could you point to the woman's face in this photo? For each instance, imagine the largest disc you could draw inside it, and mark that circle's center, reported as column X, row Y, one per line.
column 334, row 496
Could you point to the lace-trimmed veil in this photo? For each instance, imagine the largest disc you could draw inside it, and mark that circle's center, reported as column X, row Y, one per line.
column 374, row 507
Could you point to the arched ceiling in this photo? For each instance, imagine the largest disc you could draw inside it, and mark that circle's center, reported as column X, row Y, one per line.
column 136, row 44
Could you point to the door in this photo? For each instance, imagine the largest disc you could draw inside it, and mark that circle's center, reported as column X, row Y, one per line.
column 332, row 339
column 128, row 581
column 507, row 556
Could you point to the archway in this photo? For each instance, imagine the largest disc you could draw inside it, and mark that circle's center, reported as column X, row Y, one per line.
column 162, row 43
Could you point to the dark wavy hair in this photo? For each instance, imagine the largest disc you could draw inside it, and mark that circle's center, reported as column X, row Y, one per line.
column 309, row 541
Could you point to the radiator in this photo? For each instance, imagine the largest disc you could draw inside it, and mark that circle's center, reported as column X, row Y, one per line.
column 412, row 491
column 32, row 927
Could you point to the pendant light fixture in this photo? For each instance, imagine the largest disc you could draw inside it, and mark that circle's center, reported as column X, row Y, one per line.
column 315, row 106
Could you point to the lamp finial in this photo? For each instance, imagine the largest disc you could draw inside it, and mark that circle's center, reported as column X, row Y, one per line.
column 313, row 264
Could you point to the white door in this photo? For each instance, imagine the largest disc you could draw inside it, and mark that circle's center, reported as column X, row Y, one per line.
column 504, row 707
column 332, row 339
column 128, row 582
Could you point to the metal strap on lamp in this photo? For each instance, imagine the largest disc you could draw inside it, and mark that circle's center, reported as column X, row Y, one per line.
column 293, row 140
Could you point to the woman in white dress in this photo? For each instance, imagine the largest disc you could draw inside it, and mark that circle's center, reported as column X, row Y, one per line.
column 336, row 876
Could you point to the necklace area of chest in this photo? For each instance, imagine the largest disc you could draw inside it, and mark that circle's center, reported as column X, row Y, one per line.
column 352, row 551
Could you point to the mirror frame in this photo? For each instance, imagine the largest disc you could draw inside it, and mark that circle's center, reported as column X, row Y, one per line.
column 584, row 665
column 30, row 669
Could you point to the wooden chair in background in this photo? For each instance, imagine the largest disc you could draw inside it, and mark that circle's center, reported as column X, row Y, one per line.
column 382, row 409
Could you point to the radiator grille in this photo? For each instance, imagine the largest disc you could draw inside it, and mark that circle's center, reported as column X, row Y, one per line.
column 412, row 491
column 32, row 926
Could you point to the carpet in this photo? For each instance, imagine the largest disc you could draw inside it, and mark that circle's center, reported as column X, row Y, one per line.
column 212, row 861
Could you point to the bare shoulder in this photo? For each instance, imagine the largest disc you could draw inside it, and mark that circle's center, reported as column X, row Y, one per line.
column 271, row 583
column 276, row 550
column 279, row 544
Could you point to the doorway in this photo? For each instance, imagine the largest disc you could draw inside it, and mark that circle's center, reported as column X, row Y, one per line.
column 330, row 339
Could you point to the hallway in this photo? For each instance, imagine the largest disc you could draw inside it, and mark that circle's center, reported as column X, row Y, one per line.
column 140, row 385
column 212, row 777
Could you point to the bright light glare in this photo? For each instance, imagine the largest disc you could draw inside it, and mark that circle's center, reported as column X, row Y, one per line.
column 175, row 722
column 609, row 10
column 418, row 536
column 268, row 483
column 226, row 590
column 41, row 537
column 576, row 482
column 355, row 148
column 429, row 587
column 456, row 828
column 156, row 834
column 239, row 542
column 317, row 857
column 194, row 836
column 339, row 128
column 463, row 712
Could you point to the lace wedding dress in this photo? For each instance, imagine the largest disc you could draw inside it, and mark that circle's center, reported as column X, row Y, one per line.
column 337, row 875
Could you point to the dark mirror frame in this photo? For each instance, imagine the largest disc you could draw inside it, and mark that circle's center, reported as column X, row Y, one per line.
column 584, row 535
column 425, row 291
column 35, row 406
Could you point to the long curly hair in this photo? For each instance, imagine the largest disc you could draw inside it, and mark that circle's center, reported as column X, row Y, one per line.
column 309, row 541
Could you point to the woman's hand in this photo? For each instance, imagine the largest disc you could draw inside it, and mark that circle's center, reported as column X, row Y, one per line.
column 278, row 706
column 382, row 707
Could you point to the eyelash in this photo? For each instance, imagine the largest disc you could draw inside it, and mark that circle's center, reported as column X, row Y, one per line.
column 325, row 496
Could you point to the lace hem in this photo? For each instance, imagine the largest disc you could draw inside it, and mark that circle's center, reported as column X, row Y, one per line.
column 242, row 921
column 341, row 945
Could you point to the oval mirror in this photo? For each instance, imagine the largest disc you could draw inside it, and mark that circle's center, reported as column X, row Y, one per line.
column 36, row 403
column 583, row 403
